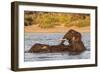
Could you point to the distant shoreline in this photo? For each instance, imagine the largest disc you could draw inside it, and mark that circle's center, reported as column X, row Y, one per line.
column 59, row 29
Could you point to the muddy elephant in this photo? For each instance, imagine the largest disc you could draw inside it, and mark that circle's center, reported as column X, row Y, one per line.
column 75, row 44
column 75, row 41
column 39, row 48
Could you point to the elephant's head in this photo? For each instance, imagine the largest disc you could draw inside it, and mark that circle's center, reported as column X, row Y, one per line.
column 73, row 35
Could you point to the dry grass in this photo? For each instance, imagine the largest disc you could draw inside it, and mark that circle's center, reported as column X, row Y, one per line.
column 55, row 22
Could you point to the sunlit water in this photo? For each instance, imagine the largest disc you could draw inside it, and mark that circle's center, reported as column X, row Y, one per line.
column 52, row 39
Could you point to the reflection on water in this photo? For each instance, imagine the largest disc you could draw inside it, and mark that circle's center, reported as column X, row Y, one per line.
column 51, row 39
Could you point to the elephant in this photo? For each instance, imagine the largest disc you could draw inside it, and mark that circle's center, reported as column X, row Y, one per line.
column 39, row 48
column 75, row 41
column 75, row 44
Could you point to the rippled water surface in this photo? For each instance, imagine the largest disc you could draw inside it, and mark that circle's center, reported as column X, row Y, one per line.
column 52, row 39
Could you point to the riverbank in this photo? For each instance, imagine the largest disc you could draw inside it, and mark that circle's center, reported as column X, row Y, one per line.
column 59, row 29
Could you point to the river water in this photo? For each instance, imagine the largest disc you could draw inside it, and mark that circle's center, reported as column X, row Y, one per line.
column 52, row 39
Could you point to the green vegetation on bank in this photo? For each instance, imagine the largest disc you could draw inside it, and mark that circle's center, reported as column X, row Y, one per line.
column 53, row 19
